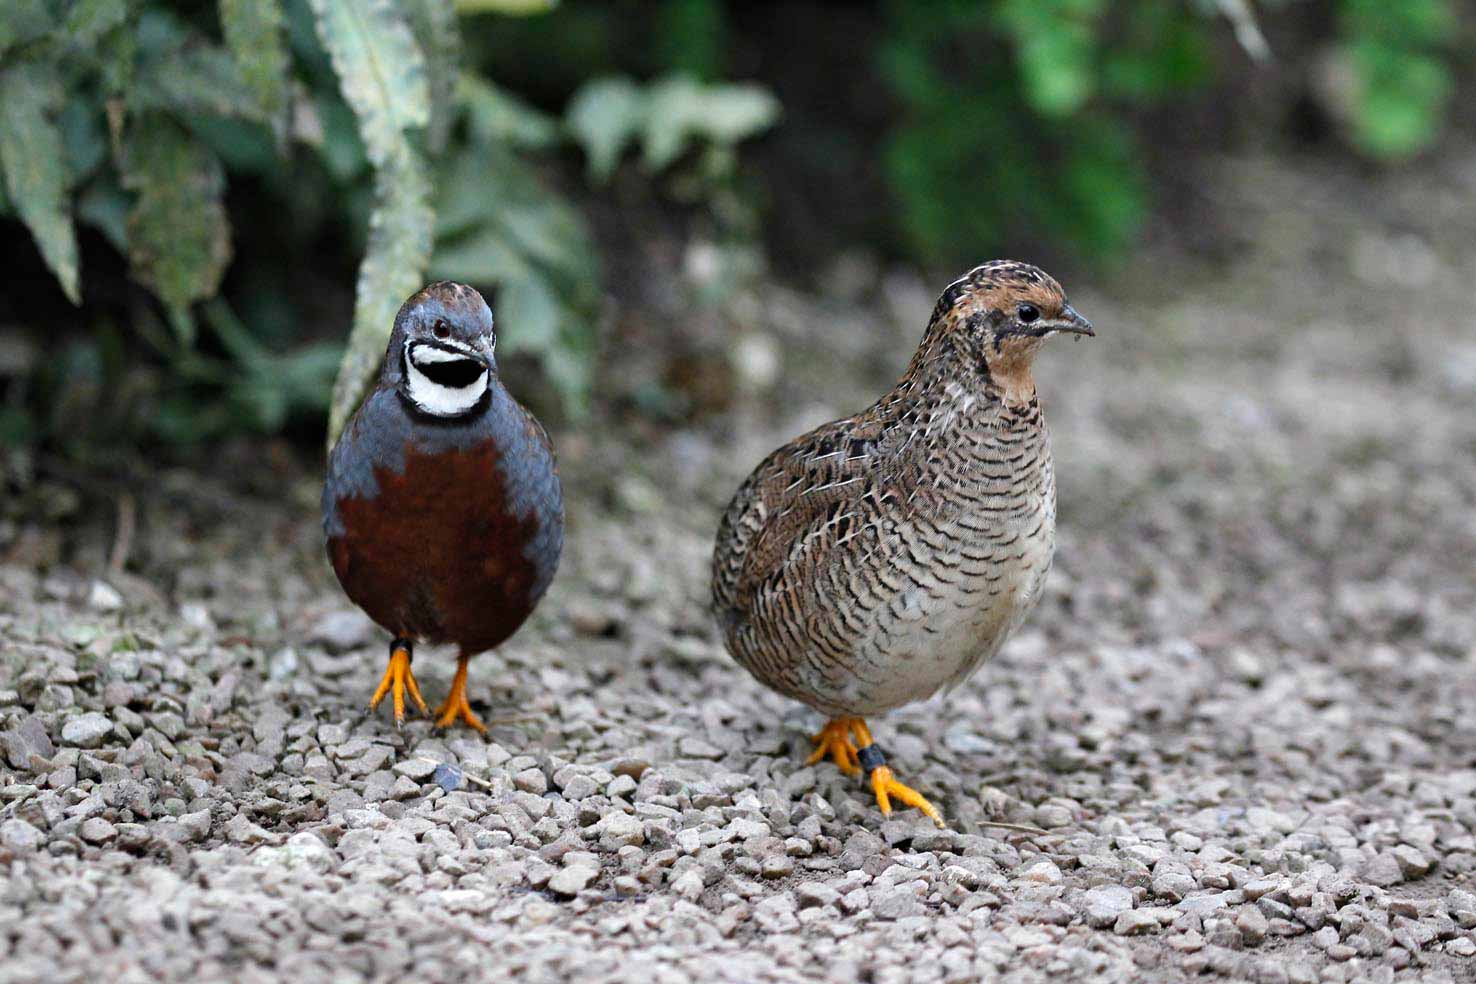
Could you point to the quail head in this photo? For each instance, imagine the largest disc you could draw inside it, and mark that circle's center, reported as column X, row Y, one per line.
column 442, row 507
column 880, row 559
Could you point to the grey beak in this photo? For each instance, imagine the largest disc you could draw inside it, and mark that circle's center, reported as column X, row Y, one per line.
column 1072, row 322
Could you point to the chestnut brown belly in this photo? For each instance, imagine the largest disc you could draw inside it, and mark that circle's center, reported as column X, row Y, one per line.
column 438, row 554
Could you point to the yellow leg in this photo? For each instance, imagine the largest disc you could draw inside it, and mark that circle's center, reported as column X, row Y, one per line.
column 456, row 707
column 835, row 740
column 884, row 784
column 396, row 680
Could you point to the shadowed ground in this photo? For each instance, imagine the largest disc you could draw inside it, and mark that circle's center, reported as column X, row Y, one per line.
column 1240, row 725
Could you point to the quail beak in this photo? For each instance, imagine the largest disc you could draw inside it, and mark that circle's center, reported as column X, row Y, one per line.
column 1072, row 322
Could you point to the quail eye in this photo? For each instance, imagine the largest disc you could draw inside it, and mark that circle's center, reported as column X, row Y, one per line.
column 441, row 329
column 1027, row 313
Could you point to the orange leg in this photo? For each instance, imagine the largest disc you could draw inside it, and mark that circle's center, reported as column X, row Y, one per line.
column 835, row 740
column 456, row 707
column 884, row 784
column 396, row 680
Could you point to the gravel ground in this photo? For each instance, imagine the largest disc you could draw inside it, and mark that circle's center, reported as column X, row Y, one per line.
column 1235, row 741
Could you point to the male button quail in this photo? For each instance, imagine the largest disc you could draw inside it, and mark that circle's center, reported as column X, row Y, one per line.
column 443, row 508
column 881, row 558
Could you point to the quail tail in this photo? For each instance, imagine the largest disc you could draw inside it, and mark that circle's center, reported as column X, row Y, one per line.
column 848, row 741
column 397, row 680
column 456, row 707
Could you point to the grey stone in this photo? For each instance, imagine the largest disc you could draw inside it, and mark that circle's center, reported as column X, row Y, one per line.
column 1135, row 922
column 87, row 730
column 18, row 835
column 620, row 829
column 572, row 881
column 1105, row 903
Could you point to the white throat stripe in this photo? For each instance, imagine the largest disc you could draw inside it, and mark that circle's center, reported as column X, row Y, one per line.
column 437, row 398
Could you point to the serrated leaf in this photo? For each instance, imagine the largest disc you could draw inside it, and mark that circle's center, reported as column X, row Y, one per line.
column 37, row 177
column 179, row 238
column 434, row 25
column 256, row 37
column 393, row 268
column 380, row 69
column 497, row 116
column 604, row 117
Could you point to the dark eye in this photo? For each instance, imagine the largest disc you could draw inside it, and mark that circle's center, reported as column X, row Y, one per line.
column 441, row 329
column 1027, row 313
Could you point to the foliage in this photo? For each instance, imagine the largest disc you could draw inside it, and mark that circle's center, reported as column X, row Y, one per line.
column 988, row 142
column 1020, row 113
column 1402, row 83
column 668, row 117
column 135, row 119
column 240, row 156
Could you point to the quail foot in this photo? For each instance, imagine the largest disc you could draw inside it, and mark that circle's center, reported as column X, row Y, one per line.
column 442, row 508
column 880, row 559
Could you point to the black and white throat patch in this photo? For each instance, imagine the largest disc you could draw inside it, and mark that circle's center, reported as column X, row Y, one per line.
column 442, row 379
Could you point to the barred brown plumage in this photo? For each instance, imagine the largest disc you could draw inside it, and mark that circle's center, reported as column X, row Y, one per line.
column 883, row 557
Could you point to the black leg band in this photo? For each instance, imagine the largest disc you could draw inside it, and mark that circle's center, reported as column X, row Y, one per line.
column 871, row 758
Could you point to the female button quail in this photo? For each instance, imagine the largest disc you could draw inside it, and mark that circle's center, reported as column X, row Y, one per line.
column 881, row 558
column 443, row 508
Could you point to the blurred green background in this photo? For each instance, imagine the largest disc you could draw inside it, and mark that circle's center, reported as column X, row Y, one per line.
column 212, row 210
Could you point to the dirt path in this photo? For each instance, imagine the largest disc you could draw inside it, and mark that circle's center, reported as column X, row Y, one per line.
column 1242, row 718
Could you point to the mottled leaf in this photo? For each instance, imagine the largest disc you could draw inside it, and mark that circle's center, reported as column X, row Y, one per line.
column 434, row 24
column 37, row 176
column 604, row 117
column 256, row 37
column 179, row 239
column 393, row 268
column 382, row 75
column 381, row 71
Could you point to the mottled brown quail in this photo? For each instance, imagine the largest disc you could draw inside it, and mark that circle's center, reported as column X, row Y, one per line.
column 884, row 557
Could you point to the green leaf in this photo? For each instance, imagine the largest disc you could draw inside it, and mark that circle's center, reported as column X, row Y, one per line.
column 104, row 206
column 381, row 71
column 89, row 20
column 192, row 75
column 393, row 268
column 499, row 225
column 434, row 24
column 1056, row 45
column 35, row 162
column 256, row 37
column 497, row 116
column 382, row 75
column 604, row 117
column 24, row 21
column 510, row 8
column 179, row 239
column 680, row 108
column 527, row 316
